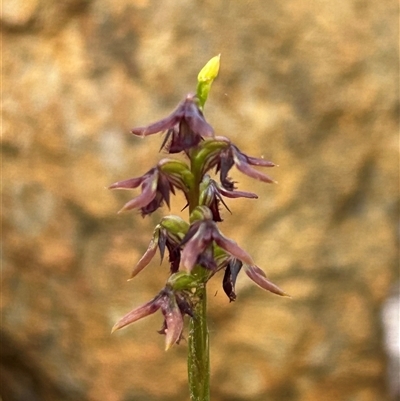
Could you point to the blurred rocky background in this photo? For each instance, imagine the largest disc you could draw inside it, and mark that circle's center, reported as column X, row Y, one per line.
column 311, row 85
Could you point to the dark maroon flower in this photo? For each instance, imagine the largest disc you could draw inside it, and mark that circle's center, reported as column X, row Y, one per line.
column 233, row 267
column 185, row 127
column 211, row 196
column 185, row 307
column 223, row 154
column 233, row 156
column 173, row 305
column 200, row 238
column 169, row 233
column 156, row 184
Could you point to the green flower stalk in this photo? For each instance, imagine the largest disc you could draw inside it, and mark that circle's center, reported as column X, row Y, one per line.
column 197, row 248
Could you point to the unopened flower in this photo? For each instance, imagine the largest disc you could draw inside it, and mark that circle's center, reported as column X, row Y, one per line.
column 156, row 184
column 173, row 305
column 205, row 78
column 185, row 127
column 212, row 192
column 168, row 234
column 199, row 240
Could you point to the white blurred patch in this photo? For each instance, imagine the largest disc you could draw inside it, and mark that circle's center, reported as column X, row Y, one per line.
column 391, row 324
column 112, row 149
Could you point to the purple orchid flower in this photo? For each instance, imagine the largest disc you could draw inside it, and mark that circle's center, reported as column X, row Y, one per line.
column 168, row 234
column 156, row 184
column 211, row 196
column 186, row 126
column 173, row 305
column 233, row 156
column 233, row 267
column 200, row 237
column 223, row 154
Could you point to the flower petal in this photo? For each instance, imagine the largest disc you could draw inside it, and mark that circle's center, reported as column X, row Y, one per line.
column 236, row 194
column 138, row 313
column 195, row 118
column 159, row 126
column 198, row 124
column 242, row 165
column 232, row 247
column 255, row 161
column 164, row 188
column 259, row 277
column 128, row 184
column 197, row 243
column 174, row 323
column 146, row 258
column 149, row 191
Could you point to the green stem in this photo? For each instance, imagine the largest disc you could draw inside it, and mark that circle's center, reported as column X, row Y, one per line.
column 198, row 341
column 199, row 358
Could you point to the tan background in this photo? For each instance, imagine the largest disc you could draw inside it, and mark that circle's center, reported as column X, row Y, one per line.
column 311, row 85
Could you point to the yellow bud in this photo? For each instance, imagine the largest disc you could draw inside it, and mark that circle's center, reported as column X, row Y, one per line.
column 205, row 79
column 210, row 71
